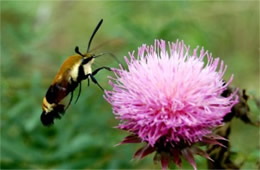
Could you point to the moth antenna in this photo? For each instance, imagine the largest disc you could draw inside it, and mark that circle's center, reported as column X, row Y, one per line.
column 78, row 52
column 93, row 34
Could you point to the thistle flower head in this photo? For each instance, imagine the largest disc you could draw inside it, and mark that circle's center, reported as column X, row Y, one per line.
column 170, row 98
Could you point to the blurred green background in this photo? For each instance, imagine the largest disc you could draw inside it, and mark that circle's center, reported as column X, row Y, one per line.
column 37, row 36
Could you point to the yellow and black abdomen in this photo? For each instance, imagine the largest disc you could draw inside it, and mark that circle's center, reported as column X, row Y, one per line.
column 64, row 82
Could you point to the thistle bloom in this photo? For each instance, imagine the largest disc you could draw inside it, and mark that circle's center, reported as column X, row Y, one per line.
column 170, row 99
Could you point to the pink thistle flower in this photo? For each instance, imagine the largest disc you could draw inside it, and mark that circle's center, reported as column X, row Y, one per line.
column 170, row 99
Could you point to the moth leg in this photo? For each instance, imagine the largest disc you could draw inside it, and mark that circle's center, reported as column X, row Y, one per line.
column 91, row 75
column 79, row 92
column 95, row 81
column 71, row 97
column 88, row 81
column 101, row 68
column 84, row 77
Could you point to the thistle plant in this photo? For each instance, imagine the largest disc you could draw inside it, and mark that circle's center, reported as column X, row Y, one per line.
column 169, row 98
